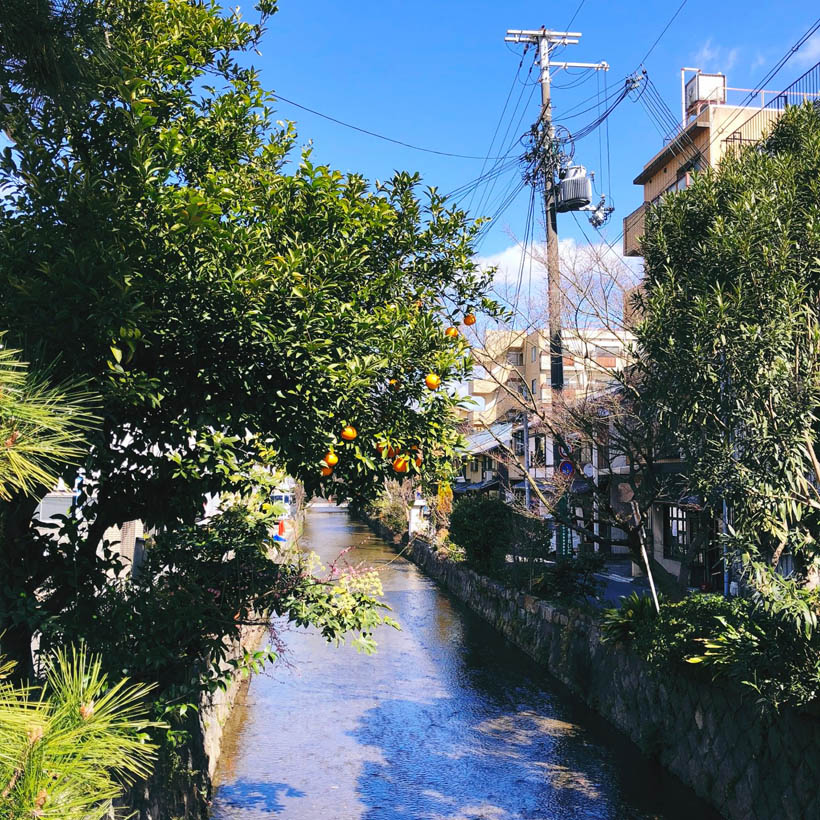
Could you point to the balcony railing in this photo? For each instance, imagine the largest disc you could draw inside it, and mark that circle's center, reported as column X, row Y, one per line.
column 805, row 88
column 633, row 231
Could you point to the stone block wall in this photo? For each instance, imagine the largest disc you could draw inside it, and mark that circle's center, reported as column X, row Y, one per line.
column 710, row 735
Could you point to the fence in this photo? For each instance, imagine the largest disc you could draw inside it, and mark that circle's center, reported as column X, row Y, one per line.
column 805, row 87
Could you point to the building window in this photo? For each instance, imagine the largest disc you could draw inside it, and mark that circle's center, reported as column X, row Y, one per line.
column 515, row 357
column 474, row 465
column 533, row 388
column 680, row 529
column 533, row 353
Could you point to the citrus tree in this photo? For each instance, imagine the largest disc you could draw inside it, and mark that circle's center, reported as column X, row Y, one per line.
column 231, row 303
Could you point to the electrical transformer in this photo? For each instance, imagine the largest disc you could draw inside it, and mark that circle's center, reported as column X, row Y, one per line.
column 574, row 190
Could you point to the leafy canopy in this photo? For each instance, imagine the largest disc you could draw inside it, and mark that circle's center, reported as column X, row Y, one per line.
column 730, row 346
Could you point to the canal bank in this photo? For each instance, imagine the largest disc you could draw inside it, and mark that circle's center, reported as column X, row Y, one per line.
column 446, row 720
column 712, row 737
column 180, row 786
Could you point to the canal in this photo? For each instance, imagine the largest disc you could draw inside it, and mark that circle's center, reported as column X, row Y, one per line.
column 447, row 720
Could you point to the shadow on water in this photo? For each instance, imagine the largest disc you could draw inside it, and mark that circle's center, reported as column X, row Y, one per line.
column 448, row 721
column 255, row 796
column 513, row 745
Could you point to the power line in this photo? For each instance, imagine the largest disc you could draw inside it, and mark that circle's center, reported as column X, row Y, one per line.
column 572, row 19
column 665, row 29
column 381, row 136
column 773, row 72
column 488, row 192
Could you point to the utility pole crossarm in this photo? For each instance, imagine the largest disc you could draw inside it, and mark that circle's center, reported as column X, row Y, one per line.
column 597, row 66
column 546, row 40
column 518, row 35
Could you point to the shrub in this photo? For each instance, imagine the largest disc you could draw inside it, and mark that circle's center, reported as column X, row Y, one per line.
column 482, row 526
column 570, row 580
column 392, row 504
column 681, row 626
column 733, row 639
column 621, row 624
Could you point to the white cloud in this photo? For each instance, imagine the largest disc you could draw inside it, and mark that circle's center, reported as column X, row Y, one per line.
column 705, row 54
column 591, row 273
column 713, row 57
column 809, row 54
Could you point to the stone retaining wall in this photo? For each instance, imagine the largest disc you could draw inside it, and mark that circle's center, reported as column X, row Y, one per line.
column 180, row 785
column 710, row 736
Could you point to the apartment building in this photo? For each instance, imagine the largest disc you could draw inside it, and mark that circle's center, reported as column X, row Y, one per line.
column 710, row 127
column 513, row 370
column 513, row 373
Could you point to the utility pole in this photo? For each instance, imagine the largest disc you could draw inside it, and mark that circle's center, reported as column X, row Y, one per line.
column 546, row 40
column 526, row 438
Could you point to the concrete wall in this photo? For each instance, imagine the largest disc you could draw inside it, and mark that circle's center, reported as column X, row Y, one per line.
column 711, row 736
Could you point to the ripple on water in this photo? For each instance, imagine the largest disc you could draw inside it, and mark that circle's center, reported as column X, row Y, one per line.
column 446, row 722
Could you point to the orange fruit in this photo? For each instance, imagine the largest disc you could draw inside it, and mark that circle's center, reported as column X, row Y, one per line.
column 331, row 459
column 469, row 319
column 418, row 460
column 349, row 433
column 451, row 333
column 401, row 464
column 386, row 450
column 326, row 471
column 433, row 381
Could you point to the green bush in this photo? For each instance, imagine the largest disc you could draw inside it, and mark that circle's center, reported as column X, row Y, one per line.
column 732, row 639
column 482, row 526
column 620, row 625
column 570, row 581
column 391, row 510
column 678, row 632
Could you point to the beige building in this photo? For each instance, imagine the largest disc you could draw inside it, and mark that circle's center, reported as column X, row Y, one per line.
column 713, row 127
column 514, row 370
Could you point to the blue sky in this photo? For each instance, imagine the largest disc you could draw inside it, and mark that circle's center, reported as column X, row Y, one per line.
column 437, row 74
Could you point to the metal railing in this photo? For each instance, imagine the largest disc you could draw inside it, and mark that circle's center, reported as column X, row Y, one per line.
column 804, row 88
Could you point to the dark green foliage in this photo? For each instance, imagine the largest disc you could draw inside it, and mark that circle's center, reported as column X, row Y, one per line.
column 623, row 623
column 483, row 527
column 730, row 342
column 198, row 588
column 677, row 632
column 569, row 580
column 721, row 638
column 491, row 531
column 204, row 292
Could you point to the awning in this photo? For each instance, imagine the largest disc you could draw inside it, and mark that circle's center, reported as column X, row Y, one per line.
column 579, row 486
column 542, row 484
column 489, row 439
column 463, row 487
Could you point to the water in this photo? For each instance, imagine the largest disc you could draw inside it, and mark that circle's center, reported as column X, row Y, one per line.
column 447, row 720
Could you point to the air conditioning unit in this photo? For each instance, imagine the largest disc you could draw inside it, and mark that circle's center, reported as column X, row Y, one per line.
column 574, row 190
column 703, row 89
column 489, row 474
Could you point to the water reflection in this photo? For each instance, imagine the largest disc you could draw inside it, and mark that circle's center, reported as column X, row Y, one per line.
column 446, row 722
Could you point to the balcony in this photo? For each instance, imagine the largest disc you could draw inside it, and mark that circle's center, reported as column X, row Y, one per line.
column 633, row 231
